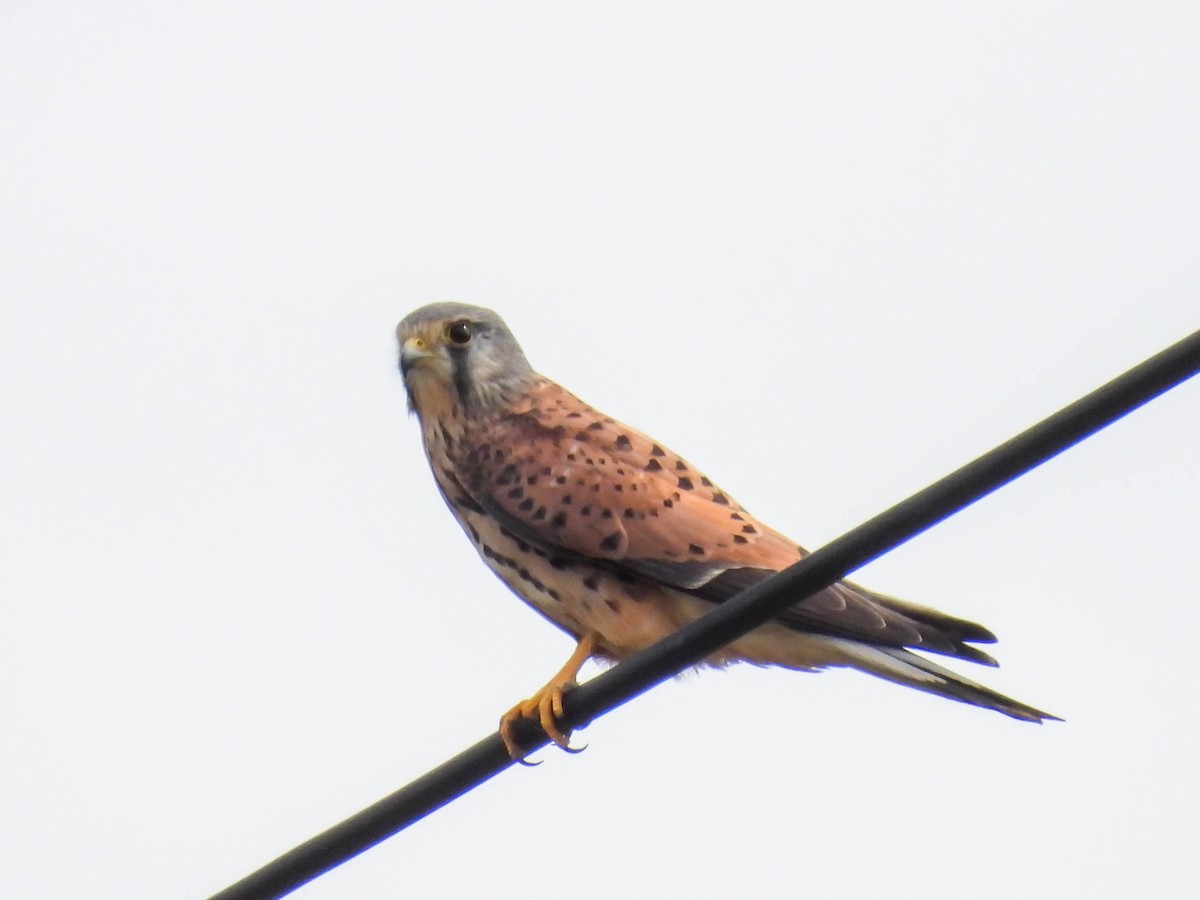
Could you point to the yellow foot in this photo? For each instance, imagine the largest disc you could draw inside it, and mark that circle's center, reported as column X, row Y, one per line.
column 546, row 706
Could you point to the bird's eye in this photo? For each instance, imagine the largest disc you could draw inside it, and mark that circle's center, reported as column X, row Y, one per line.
column 459, row 332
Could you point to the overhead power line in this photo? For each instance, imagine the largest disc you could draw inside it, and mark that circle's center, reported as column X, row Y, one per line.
column 729, row 621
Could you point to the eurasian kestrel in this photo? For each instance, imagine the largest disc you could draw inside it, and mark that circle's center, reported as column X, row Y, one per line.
column 619, row 541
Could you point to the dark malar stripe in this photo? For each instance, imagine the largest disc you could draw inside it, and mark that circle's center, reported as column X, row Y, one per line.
column 462, row 378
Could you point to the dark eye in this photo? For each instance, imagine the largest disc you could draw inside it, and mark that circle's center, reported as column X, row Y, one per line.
column 459, row 332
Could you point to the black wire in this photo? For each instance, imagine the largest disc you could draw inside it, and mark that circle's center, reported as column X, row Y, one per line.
column 730, row 620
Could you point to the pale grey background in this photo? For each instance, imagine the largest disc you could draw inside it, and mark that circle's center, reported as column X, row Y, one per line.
column 828, row 252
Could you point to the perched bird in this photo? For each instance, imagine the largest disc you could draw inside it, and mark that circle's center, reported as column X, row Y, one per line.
column 618, row 541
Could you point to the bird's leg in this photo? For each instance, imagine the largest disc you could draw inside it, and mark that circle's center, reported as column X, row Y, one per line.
column 546, row 705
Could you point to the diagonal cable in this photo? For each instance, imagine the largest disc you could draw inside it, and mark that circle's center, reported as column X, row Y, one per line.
column 729, row 621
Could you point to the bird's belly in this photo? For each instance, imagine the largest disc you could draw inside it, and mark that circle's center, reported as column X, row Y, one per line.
column 627, row 613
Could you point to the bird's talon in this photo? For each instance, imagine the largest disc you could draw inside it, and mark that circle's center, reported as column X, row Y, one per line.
column 546, row 706
column 563, row 740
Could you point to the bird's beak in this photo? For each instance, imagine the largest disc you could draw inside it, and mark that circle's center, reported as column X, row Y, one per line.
column 412, row 351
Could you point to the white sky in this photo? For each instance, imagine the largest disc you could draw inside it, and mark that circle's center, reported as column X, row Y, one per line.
column 829, row 254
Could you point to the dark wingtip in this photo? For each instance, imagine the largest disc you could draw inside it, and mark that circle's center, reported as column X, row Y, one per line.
column 976, row 633
column 975, row 655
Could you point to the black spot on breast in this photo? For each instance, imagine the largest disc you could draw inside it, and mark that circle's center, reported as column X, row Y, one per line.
column 657, row 451
column 474, row 533
column 735, row 516
column 526, row 505
column 597, row 426
column 581, row 436
column 532, row 479
column 532, row 579
column 629, row 513
column 516, row 493
column 561, row 479
column 554, row 595
column 592, row 582
column 720, row 499
column 499, row 558
column 685, row 483
column 738, row 539
column 680, row 465
column 749, row 529
column 559, row 520
column 462, row 501
column 539, row 514
column 695, row 550
column 618, row 487
column 668, row 503
column 704, row 481
column 653, row 466
column 606, row 514
column 566, row 499
column 612, row 604
column 507, row 475
column 623, row 443
column 574, row 415
column 613, row 541
column 585, row 510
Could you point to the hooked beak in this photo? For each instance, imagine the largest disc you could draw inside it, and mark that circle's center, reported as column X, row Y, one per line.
column 412, row 351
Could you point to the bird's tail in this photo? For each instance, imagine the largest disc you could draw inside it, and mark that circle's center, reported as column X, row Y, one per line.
column 915, row 671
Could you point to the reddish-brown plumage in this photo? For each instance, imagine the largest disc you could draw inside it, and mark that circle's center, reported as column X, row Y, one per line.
column 614, row 492
column 620, row 541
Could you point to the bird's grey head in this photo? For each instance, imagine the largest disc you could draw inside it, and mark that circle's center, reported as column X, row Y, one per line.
column 457, row 354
